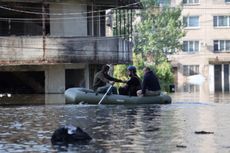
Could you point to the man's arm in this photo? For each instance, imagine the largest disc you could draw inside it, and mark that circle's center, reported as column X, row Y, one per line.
column 112, row 79
column 103, row 78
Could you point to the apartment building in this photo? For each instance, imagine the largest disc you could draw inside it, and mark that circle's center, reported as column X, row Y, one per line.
column 206, row 46
column 47, row 46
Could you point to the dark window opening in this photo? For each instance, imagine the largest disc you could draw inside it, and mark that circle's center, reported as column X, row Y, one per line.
column 13, row 22
column 191, row 88
column 18, row 82
column 74, row 78
column 217, row 78
column 226, row 77
column 190, row 70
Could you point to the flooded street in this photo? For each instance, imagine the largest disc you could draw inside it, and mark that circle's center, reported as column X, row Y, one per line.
column 118, row 128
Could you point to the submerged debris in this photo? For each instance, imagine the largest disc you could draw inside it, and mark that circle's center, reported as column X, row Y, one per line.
column 70, row 135
column 203, row 132
column 181, row 146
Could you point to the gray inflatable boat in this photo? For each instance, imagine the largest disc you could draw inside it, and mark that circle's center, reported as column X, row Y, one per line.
column 83, row 95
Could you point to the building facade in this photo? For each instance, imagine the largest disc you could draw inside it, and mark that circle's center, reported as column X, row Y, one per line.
column 47, row 46
column 206, row 46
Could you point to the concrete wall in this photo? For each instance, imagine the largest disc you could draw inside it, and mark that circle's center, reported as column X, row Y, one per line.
column 73, row 23
column 30, row 50
column 55, row 78
column 51, row 55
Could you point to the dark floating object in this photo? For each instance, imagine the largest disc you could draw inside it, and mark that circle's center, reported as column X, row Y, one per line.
column 152, row 129
column 70, row 135
column 181, row 146
column 203, row 132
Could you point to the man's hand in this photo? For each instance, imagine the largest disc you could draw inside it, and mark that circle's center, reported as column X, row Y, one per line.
column 111, row 82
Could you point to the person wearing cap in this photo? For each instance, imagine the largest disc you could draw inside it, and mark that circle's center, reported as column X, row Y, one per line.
column 103, row 80
column 150, row 84
column 133, row 84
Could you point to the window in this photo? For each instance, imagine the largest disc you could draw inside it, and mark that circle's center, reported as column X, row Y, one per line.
column 191, row 46
column 16, row 23
column 227, row 1
column 190, row 70
column 96, row 25
column 191, row 88
column 191, row 21
column 221, row 45
column 191, row 1
column 221, row 21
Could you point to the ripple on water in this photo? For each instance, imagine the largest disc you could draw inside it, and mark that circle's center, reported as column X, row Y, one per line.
column 142, row 128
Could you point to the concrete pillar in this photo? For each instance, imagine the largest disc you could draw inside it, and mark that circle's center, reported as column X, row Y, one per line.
column 211, row 78
column 222, row 77
column 55, row 79
column 54, row 99
column 86, row 75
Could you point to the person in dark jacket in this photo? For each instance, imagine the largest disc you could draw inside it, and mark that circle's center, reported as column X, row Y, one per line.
column 132, row 85
column 103, row 80
column 150, row 85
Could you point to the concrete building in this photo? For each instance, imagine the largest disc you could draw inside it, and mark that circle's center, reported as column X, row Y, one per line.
column 206, row 46
column 47, row 46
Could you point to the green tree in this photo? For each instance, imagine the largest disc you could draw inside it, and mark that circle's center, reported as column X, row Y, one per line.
column 120, row 71
column 159, row 32
column 157, row 35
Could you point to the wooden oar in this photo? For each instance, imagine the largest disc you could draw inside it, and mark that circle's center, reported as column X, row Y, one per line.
column 105, row 94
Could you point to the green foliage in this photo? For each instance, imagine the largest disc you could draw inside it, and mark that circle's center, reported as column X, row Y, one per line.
column 159, row 33
column 164, row 72
column 156, row 36
column 138, row 61
column 120, row 72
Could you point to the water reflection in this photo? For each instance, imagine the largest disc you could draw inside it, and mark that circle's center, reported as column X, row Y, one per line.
column 50, row 99
column 118, row 128
column 31, row 99
column 193, row 97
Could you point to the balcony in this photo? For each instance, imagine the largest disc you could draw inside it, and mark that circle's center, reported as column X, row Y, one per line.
column 36, row 50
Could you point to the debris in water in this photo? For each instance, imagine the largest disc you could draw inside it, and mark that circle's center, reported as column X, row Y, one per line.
column 181, row 146
column 203, row 132
column 70, row 135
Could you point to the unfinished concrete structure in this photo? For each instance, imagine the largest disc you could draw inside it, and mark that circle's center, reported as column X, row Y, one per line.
column 47, row 46
column 206, row 46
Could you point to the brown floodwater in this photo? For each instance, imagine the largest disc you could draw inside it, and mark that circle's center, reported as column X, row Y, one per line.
column 28, row 121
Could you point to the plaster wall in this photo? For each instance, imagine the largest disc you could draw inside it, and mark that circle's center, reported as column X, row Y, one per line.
column 69, row 19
